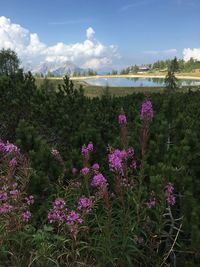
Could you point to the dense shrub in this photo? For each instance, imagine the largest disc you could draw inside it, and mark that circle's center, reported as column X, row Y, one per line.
column 62, row 120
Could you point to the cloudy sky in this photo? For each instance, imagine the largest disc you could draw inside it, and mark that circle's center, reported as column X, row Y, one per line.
column 96, row 34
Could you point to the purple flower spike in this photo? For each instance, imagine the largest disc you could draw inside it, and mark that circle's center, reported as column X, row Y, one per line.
column 85, row 171
column 146, row 110
column 59, row 203
column 98, row 180
column 26, row 216
column 122, row 119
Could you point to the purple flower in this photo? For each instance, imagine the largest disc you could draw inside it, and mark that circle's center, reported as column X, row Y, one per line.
column 85, row 171
column 85, row 203
column 5, row 208
column 122, row 119
column 130, row 152
column 133, row 164
column 170, row 188
column 74, row 217
column 85, row 150
column 146, row 110
column 171, row 199
column 116, row 160
column 26, row 215
column 2, row 147
column 3, row 195
column 13, row 163
column 56, row 215
column 95, row 166
column 59, row 203
column 151, row 203
column 98, row 180
column 9, row 148
column 90, row 147
column 29, row 200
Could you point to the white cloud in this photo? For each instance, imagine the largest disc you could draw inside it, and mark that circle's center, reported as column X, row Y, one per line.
column 96, row 63
column 89, row 53
column 191, row 53
column 90, row 33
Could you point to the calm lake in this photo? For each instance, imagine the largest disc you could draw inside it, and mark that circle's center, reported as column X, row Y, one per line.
column 137, row 82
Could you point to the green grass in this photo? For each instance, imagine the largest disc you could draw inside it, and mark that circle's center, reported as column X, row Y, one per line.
column 94, row 91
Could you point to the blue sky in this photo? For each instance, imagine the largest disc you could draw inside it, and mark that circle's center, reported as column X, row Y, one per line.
column 142, row 30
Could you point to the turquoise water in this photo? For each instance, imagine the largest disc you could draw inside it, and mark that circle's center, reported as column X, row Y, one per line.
column 137, row 82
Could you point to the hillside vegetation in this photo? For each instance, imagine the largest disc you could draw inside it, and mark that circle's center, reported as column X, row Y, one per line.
column 103, row 181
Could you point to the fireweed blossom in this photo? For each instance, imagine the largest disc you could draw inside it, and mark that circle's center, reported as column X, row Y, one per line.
column 85, row 150
column 146, row 110
column 122, row 119
column 171, row 199
column 26, row 215
column 56, row 215
column 59, row 203
column 5, row 208
column 9, row 148
column 74, row 218
column 3, row 196
column 13, row 163
column 2, row 147
column 95, row 167
column 85, row 204
column 170, row 188
column 29, row 200
column 98, row 180
column 151, row 203
column 116, row 159
column 85, row 171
